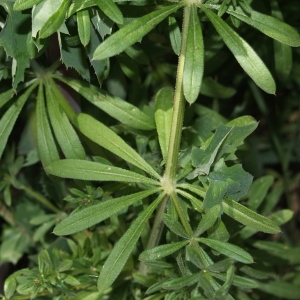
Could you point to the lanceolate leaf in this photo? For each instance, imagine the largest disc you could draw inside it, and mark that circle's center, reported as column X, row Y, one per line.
column 94, row 214
column 229, row 250
column 117, row 108
column 84, row 26
column 55, row 21
column 163, row 117
column 120, row 253
column 64, row 132
column 89, row 170
column 8, row 120
column 194, row 58
column 132, row 33
column 105, row 137
column 175, row 35
column 244, row 54
column 270, row 26
column 248, row 217
column 24, row 4
column 111, row 10
column 208, row 220
column 161, row 251
column 46, row 145
column 5, row 97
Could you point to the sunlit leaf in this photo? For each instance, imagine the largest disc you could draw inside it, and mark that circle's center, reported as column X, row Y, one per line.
column 133, row 32
column 244, row 54
column 122, row 249
column 95, row 214
column 84, row 26
column 24, row 4
column 55, row 21
column 111, row 10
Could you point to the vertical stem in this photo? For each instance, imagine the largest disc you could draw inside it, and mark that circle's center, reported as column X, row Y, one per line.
column 175, row 138
column 178, row 108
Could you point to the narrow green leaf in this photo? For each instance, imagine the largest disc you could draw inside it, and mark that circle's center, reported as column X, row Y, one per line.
column 283, row 60
column 208, row 220
column 194, row 58
column 87, row 217
column 132, row 32
column 212, row 88
column 281, row 290
column 282, row 53
column 283, row 251
column 111, row 10
column 89, row 170
column 227, row 249
column 161, row 251
column 239, row 281
column 175, row 226
column 175, row 35
column 248, row 217
column 64, row 132
column 244, row 54
column 79, row 5
column 55, row 21
column 258, row 191
column 203, row 158
column 84, row 26
column 269, row 25
column 24, row 4
column 9, row 118
column 6, row 96
column 181, row 282
column 45, row 141
column 10, row 286
column 120, row 253
column 117, row 108
column 163, row 117
column 105, row 137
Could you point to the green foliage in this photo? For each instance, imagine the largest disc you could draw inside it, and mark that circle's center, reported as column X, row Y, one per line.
column 153, row 190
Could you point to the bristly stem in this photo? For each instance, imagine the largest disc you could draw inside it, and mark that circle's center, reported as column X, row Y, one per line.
column 168, row 181
column 178, row 107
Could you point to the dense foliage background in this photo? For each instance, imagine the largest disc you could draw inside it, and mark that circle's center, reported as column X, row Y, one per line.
column 46, row 54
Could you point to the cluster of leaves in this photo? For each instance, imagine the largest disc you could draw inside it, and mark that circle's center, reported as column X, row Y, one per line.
column 211, row 210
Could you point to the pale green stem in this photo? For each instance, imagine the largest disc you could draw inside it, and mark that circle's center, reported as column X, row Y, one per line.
column 168, row 181
column 178, row 107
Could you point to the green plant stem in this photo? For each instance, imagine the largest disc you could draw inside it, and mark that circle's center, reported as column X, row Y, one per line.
column 178, row 107
column 168, row 181
column 156, row 231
